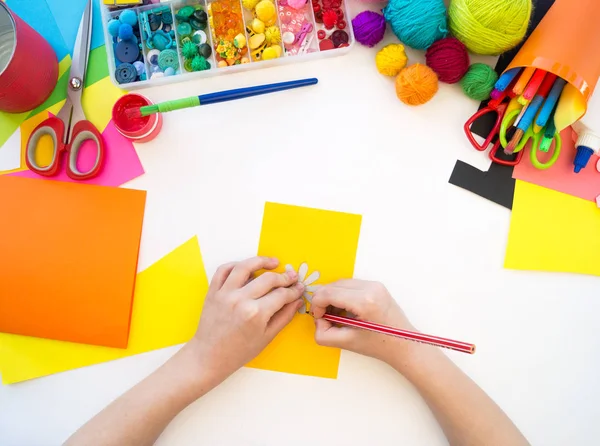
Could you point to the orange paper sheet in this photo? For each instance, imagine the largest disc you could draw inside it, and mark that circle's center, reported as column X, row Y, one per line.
column 327, row 242
column 68, row 260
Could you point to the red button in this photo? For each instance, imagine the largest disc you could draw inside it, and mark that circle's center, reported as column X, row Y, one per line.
column 341, row 24
column 325, row 45
column 321, row 34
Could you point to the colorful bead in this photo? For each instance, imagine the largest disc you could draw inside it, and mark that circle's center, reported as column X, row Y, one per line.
column 341, row 24
column 321, row 34
column 239, row 41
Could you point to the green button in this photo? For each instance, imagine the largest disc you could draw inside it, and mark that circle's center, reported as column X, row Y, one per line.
column 184, row 29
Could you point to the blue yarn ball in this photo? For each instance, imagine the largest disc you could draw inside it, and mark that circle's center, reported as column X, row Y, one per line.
column 125, row 31
column 113, row 27
column 417, row 23
column 128, row 16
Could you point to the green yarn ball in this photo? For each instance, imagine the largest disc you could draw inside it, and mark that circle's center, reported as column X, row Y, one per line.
column 489, row 27
column 189, row 50
column 479, row 81
column 200, row 64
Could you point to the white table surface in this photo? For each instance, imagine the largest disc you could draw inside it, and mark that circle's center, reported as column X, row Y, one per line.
column 347, row 144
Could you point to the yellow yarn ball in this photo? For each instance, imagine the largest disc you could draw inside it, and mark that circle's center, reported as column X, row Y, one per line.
column 416, row 84
column 273, row 35
column 391, row 59
column 489, row 27
column 265, row 11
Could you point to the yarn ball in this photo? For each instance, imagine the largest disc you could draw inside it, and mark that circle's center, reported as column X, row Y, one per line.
column 489, row 27
column 113, row 27
column 416, row 84
column 129, row 16
column 391, row 59
column 125, row 31
column 369, row 28
column 449, row 59
column 479, row 81
column 417, row 23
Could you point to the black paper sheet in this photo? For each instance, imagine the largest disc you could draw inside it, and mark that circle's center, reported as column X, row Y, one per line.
column 497, row 184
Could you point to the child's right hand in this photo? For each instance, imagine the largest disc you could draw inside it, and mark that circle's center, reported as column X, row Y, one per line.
column 368, row 301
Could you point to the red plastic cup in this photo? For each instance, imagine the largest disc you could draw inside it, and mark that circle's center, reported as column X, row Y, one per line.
column 28, row 65
column 138, row 129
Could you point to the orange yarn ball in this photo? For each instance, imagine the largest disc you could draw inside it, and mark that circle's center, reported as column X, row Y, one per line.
column 416, row 84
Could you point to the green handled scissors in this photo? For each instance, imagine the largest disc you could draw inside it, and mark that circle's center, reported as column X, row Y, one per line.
column 536, row 138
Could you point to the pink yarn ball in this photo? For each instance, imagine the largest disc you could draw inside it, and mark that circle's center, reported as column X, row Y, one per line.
column 296, row 4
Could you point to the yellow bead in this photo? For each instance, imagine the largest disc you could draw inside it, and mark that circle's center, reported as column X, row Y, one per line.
column 256, row 41
column 239, row 41
column 258, row 26
column 271, row 53
column 222, row 64
column 245, row 60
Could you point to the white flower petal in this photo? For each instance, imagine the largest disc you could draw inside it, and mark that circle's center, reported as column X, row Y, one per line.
column 302, row 309
column 289, row 268
column 307, row 296
column 312, row 288
column 312, row 278
column 302, row 272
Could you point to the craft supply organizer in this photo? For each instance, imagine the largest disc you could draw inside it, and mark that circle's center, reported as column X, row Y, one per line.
column 180, row 40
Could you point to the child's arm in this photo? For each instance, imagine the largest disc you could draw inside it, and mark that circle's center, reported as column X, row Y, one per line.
column 466, row 414
column 239, row 319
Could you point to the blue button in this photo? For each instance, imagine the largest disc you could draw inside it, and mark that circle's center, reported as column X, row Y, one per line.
column 126, row 73
column 127, row 52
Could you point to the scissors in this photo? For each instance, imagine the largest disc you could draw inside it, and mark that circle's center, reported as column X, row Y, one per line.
column 536, row 139
column 70, row 129
column 500, row 108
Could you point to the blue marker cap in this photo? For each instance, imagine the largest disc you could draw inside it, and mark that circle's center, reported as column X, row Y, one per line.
column 581, row 159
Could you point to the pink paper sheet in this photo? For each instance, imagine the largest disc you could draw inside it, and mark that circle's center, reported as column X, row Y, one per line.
column 560, row 177
column 121, row 162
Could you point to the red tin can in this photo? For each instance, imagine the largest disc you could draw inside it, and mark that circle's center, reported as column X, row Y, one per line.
column 28, row 65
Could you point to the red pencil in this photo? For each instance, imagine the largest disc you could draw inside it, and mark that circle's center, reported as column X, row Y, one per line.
column 404, row 334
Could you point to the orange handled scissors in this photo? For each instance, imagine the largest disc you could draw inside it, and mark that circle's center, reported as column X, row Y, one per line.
column 70, row 129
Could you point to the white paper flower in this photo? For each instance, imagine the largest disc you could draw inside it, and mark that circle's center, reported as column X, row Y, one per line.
column 309, row 288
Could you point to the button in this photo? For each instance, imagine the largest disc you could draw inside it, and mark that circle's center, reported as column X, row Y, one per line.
column 199, row 37
column 167, row 28
column 161, row 40
column 201, row 16
column 205, row 50
column 139, row 66
column 168, row 58
column 288, row 38
column 339, row 37
column 341, row 24
column 154, row 21
column 326, row 44
column 167, row 18
column 153, row 56
column 126, row 73
column 196, row 24
column 188, row 65
column 169, row 72
column 321, row 34
column 184, row 29
column 127, row 51
column 185, row 13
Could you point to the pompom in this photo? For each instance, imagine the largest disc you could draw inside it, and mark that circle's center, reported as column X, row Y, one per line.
column 129, row 16
column 417, row 23
column 273, row 35
column 189, row 49
column 113, row 27
column 265, row 11
column 391, row 59
column 330, row 18
column 479, row 81
column 369, row 28
column 250, row 4
column 449, row 59
column 416, row 84
column 296, row 4
column 199, row 63
column 125, row 31
column 489, row 27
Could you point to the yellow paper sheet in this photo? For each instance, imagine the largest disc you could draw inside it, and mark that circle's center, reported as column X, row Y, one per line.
column 552, row 231
column 327, row 241
column 98, row 101
column 168, row 300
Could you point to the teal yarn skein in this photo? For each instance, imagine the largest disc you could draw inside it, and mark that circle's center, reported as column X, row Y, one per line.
column 417, row 23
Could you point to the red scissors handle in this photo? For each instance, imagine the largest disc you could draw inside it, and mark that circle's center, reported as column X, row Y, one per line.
column 54, row 127
column 516, row 156
column 472, row 140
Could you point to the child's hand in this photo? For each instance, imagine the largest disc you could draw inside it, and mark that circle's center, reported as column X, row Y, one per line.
column 242, row 315
column 368, row 301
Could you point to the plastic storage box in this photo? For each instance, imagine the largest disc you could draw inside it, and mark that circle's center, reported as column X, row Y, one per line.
column 156, row 49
